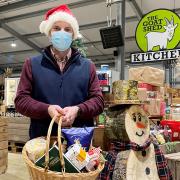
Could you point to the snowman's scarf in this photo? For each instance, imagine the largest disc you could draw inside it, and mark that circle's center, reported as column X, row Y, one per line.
column 161, row 163
column 123, row 146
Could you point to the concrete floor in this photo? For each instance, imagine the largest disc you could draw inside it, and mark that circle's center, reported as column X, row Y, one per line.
column 16, row 168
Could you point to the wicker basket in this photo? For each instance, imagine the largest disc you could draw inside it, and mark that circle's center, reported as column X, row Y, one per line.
column 38, row 173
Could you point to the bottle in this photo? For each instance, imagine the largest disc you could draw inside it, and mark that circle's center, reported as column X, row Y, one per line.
column 168, row 111
column 166, row 133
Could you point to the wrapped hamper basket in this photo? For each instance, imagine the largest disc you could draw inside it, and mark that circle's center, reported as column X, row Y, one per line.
column 147, row 74
column 38, row 173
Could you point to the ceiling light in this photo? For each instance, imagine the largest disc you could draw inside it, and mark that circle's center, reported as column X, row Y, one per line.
column 13, row 44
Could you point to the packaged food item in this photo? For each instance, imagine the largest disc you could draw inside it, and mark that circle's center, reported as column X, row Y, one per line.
column 156, row 132
column 152, row 94
column 166, row 133
column 91, row 165
column 147, row 86
column 162, row 108
column 83, row 135
column 94, row 155
column 78, row 156
column 36, row 148
column 54, row 162
column 160, row 138
column 142, row 94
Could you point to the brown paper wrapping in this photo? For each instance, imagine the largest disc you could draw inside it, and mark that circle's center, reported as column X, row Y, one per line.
column 148, row 75
column 153, row 107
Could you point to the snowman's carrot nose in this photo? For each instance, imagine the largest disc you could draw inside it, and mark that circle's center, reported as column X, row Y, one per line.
column 140, row 125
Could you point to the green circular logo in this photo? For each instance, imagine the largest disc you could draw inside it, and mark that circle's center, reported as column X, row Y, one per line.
column 158, row 30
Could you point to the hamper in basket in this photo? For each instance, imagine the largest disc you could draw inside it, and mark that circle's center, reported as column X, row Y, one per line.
column 38, row 173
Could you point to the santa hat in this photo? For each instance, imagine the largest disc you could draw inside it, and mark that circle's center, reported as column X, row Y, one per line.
column 60, row 13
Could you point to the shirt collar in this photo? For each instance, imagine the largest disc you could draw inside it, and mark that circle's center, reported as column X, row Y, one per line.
column 68, row 56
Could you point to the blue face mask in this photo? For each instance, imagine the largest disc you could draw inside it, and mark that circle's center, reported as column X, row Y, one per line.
column 61, row 40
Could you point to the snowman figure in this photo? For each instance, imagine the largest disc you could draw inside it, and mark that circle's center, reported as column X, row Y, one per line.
column 141, row 165
column 134, row 156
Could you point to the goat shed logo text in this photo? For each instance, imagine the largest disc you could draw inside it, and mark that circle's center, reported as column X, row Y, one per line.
column 158, row 30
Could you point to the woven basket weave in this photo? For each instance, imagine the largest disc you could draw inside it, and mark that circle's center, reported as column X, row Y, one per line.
column 38, row 173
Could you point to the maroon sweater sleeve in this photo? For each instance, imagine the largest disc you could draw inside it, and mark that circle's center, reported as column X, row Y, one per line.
column 24, row 102
column 95, row 103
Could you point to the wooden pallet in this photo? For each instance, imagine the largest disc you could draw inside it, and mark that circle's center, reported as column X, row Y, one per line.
column 3, row 146
column 15, row 147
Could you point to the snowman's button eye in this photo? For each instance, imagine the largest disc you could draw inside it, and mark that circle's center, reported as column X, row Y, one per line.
column 134, row 117
column 139, row 118
column 147, row 170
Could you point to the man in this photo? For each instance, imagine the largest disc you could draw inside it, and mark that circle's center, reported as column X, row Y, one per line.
column 60, row 80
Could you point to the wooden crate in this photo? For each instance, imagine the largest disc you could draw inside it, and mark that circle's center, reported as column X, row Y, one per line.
column 174, row 164
column 3, row 145
column 18, row 128
column 100, row 139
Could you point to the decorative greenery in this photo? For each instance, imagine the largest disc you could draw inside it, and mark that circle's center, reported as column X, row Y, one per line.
column 8, row 71
column 79, row 44
column 170, row 147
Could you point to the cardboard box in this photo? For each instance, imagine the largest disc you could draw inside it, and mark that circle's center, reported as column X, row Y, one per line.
column 153, row 107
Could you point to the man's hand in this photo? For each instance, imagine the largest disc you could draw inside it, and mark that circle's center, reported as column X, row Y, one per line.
column 70, row 113
column 55, row 110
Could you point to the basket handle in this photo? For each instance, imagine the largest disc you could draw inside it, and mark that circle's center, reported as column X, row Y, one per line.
column 59, row 144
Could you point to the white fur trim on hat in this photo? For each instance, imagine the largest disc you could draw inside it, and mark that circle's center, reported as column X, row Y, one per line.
column 46, row 25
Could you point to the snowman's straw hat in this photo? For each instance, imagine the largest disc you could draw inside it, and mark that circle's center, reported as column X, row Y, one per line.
column 124, row 93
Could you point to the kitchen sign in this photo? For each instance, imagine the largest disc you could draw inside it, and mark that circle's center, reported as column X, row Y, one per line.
column 157, row 34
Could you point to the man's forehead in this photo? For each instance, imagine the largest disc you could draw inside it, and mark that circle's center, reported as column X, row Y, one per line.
column 61, row 23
